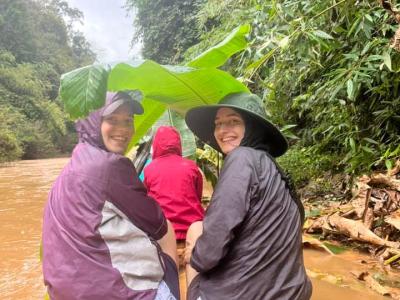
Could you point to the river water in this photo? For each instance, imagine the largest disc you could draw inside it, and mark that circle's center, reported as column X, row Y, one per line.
column 23, row 191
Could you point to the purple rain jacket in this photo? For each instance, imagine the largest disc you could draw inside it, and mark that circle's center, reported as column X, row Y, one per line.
column 100, row 227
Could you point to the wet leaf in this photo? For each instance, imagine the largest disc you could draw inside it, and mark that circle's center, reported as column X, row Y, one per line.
column 220, row 53
column 309, row 241
column 323, row 34
column 388, row 164
column 352, row 144
column 283, row 43
column 394, row 219
column 387, row 60
column 335, row 249
column 313, row 213
column 84, row 90
column 350, row 89
column 370, row 141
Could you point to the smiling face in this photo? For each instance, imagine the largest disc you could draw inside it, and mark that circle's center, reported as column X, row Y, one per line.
column 117, row 130
column 229, row 129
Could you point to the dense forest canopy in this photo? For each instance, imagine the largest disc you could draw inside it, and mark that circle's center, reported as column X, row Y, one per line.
column 167, row 28
column 324, row 69
column 37, row 45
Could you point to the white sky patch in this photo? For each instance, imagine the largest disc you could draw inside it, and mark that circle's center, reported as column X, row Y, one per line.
column 108, row 29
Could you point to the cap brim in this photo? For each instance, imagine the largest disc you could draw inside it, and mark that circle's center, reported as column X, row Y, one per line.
column 134, row 107
column 200, row 120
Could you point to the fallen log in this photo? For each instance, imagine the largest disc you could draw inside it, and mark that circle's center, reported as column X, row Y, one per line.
column 358, row 231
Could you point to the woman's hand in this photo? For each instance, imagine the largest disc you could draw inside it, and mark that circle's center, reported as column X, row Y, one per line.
column 193, row 233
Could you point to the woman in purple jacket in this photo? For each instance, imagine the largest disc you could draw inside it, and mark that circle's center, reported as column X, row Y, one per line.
column 103, row 236
column 249, row 244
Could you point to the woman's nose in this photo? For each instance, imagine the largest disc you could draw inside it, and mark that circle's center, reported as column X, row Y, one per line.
column 223, row 127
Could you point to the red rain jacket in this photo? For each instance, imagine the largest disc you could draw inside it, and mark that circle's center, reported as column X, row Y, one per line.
column 175, row 182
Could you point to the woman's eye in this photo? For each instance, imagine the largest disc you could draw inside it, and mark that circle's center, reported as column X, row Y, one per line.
column 111, row 121
column 128, row 123
column 234, row 122
column 117, row 122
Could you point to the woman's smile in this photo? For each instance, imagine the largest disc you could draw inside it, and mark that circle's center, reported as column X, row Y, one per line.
column 117, row 130
column 229, row 129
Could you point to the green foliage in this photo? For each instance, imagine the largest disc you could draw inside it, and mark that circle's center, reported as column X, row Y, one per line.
column 35, row 31
column 9, row 147
column 214, row 19
column 84, row 89
column 166, row 28
column 336, row 249
column 303, row 164
column 33, row 120
column 209, row 161
column 36, row 142
column 36, row 46
column 325, row 66
column 217, row 56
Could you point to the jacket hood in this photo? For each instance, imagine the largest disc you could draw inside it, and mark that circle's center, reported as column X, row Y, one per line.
column 89, row 129
column 166, row 141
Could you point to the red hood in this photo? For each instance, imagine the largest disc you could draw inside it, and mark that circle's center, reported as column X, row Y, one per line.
column 166, row 141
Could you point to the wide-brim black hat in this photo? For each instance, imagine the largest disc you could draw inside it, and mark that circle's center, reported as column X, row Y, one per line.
column 200, row 120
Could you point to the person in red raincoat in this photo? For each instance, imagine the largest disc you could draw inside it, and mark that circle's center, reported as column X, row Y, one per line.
column 174, row 182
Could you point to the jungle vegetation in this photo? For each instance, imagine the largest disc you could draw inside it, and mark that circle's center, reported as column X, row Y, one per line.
column 165, row 28
column 325, row 70
column 37, row 45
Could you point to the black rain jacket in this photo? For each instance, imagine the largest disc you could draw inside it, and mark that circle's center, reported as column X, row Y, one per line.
column 251, row 246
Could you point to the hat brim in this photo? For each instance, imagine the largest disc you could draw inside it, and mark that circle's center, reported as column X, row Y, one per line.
column 200, row 120
column 135, row 108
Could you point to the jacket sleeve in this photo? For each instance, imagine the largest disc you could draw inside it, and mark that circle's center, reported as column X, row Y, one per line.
column 129, row 195
column 229, row 206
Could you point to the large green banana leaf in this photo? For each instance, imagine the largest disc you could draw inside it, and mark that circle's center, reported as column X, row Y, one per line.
column 178, row 88
column 83, row 90
column 217, row 56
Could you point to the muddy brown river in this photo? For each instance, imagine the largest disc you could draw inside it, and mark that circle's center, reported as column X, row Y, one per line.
column 23, row 191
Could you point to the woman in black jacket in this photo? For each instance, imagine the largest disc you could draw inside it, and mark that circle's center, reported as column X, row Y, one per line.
column 249, row 244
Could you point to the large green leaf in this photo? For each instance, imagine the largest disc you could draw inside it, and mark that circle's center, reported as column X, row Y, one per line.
column 178, row 88
column 153, row 111
column 219, row 54
column 83, row 90
column 175, row 87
